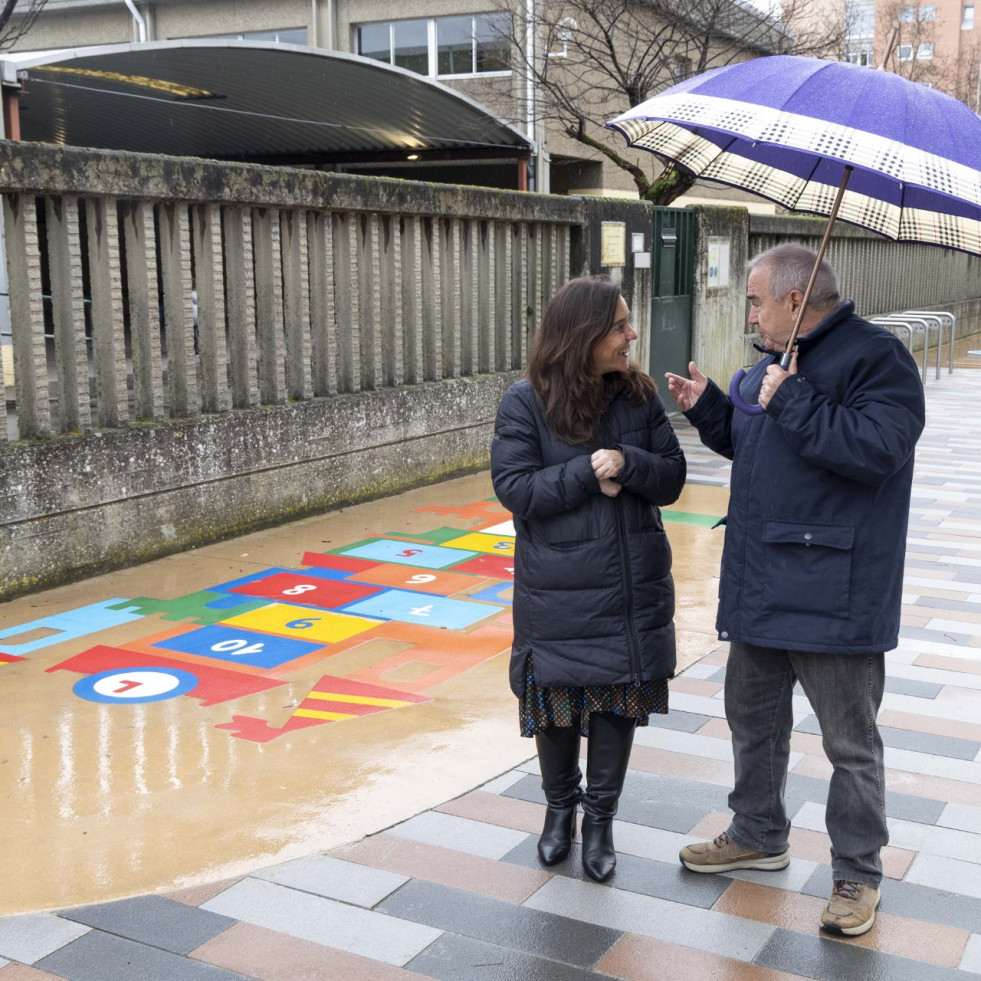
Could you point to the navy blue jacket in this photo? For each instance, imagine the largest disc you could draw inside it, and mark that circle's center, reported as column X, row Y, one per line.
column 819, row 493
column 593, row 593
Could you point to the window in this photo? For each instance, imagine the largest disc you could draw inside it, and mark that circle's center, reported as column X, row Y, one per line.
column 928, row 12
column 906, row 52
column 924, row 52
column 907, row 15
column 860, row 54
column 860, row 18
column 471, row 44
column 292, row 35
column 967, row 17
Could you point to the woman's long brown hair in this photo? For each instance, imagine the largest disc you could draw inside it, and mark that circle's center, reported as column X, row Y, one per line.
column 560, row 366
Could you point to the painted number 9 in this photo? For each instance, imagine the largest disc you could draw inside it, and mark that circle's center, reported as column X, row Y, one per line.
column 421, row 578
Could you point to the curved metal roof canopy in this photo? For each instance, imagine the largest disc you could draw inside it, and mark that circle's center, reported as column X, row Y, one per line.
column 250, row 101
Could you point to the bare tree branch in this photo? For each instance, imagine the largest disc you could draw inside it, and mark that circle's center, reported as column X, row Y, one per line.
column 16, row 19
column 590, row 60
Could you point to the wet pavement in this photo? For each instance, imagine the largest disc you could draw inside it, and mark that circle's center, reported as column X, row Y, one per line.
column 294, row 755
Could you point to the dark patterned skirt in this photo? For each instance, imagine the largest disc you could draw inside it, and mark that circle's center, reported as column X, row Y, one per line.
column 541, row 708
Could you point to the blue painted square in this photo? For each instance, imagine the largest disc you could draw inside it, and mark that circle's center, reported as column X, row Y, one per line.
column 422, row 608
column 492, row 594
column 239, row 646
column 410, row 553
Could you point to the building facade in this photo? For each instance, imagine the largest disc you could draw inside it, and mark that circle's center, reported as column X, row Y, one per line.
column 473, row 46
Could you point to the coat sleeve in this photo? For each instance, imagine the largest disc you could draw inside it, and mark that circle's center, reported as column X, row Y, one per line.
column 871, row 433
column 711, row 415
column 526, row 487
column 657, row 474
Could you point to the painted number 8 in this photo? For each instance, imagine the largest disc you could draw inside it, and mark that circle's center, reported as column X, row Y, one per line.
column 297, row 590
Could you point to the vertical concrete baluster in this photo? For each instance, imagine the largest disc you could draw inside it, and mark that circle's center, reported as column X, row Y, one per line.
column 345, row 303
column 429, row 317
column 468, row 296
column 208, row 273
column 519, row 318
column 484, row 331
column 366, row 263
column 26, row 316
column 144, row 310
column 449, row 293
column 68, row 313
column 321, row 320
column 389, row 291
column 502, row 307
column 411, row 299
column 178, row 326
column 533, row 287
column 106, row 296
column 269, row 305
column 296, row 304
column 240, row 293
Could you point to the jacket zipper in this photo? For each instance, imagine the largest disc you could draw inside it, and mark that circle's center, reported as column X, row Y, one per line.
column 628, row 588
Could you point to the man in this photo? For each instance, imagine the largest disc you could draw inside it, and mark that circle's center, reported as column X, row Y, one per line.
column 812, row 566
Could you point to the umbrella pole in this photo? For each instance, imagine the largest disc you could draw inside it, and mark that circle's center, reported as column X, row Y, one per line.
column 785, row 357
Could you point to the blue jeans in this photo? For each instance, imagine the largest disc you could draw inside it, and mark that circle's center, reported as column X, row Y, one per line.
column 845, row 691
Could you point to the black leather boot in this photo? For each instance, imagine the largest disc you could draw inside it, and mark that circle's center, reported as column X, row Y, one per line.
column 607, row 755
column 558, row 756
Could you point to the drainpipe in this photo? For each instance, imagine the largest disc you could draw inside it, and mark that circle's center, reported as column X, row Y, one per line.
column 314, row 39
column 138, row 17
column 530, row 84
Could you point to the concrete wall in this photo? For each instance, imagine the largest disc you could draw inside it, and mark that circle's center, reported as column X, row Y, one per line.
column 354, row 338
column 77, row 505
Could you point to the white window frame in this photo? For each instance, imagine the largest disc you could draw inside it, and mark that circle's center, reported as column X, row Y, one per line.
column 967, row 19
column 905, row 52
column 433, row 53
column 927, row 12
column 924, row 52
column 907, row 15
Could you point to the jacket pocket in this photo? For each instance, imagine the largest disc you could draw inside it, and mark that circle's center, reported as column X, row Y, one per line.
column 807, row 568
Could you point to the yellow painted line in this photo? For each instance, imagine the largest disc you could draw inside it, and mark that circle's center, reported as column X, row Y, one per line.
column 329, row 696
column 330, row 716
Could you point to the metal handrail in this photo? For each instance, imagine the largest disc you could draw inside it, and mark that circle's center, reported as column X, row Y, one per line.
column 949, row 320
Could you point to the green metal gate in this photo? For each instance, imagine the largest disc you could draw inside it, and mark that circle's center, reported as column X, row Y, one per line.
column 672, row 274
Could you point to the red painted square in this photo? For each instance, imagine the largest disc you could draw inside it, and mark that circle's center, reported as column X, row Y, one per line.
column 343, row 563
column 294, row 587
column 494, row 566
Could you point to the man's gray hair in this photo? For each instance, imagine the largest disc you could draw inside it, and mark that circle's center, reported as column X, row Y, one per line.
column 790, row 266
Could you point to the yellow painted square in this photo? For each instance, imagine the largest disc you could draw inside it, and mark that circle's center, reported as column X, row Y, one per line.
column 476, row 542
column 302, row 622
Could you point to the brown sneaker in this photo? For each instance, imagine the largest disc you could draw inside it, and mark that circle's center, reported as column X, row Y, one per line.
column 851, row 910
column 723, row 855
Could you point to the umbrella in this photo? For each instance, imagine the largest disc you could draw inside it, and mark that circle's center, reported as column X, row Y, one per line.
column 828, row 138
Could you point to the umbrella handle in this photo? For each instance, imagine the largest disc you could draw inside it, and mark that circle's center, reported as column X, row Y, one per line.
column 738, row 401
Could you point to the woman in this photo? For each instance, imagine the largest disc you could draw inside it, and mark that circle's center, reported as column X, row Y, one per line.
column 583, row 455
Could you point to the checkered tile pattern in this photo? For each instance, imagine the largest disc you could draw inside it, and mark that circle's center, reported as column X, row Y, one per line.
column 458, row 893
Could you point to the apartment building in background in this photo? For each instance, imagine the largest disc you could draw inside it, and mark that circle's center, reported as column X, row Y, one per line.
column 936, row 43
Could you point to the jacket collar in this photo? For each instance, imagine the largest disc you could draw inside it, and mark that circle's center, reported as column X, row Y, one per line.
column 824, row 327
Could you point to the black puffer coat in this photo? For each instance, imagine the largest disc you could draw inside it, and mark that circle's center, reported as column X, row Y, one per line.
column 593, row 593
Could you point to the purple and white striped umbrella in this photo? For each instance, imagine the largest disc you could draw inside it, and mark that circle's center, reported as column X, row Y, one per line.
column 791, row 129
